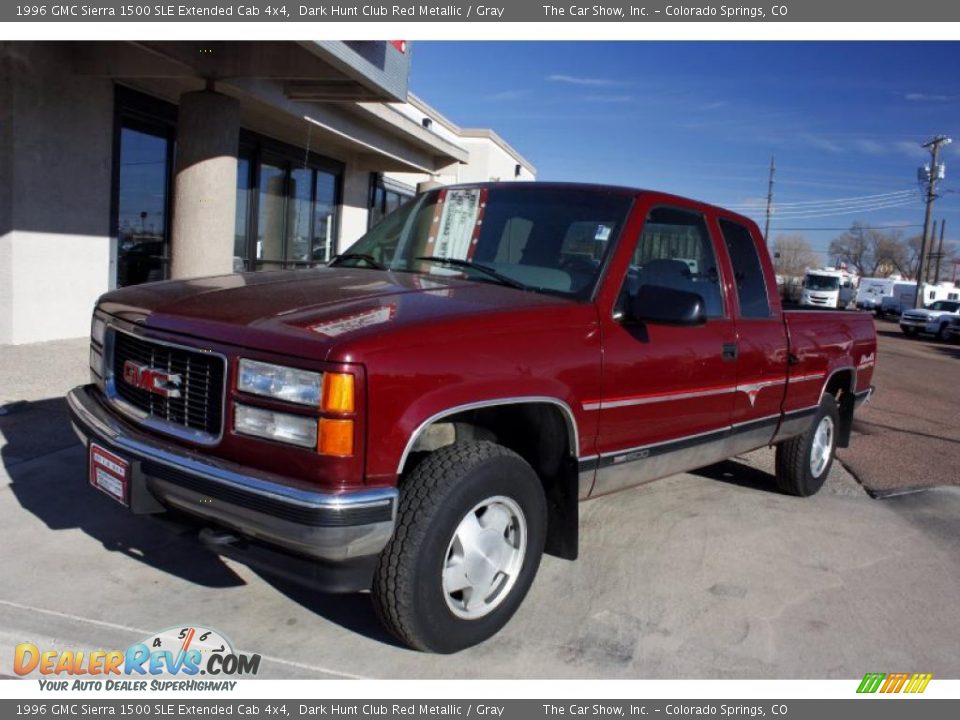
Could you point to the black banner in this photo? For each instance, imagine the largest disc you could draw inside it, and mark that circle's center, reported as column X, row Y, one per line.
column 331, row 11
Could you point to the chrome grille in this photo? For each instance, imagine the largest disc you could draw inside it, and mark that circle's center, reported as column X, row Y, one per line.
column 199, row 409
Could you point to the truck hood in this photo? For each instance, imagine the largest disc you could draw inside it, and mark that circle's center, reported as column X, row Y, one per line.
column 306, row 313
column 927, row 315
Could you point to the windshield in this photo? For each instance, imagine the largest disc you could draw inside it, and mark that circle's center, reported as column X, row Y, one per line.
column 945, row 305
column 545, row 239
column 822, row 282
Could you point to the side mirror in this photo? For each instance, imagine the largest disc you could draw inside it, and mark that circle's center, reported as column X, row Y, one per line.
column 666, row 306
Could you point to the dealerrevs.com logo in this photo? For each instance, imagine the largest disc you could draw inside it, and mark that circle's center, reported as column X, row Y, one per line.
column 173, row 659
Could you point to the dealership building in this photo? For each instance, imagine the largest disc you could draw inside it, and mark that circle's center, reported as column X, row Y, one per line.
column 129, row 162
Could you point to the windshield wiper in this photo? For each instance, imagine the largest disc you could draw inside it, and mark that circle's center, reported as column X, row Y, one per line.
column 470, row 265
column 369, row 259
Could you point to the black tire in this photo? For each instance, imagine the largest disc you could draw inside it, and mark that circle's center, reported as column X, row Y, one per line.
column 441, row 492
column 942, row 332
column 795, row 474
column 909, row 331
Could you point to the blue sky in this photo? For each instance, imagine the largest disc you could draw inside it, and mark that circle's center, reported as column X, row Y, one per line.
column 843, row 119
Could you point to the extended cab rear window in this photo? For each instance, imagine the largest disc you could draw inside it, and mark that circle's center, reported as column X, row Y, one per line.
column 747, row 270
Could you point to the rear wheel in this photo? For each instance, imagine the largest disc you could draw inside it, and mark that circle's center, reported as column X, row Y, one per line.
column 803, row 462
column 468, row 541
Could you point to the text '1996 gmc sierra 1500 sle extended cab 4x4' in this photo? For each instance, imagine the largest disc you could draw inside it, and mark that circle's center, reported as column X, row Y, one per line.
column 421, row 417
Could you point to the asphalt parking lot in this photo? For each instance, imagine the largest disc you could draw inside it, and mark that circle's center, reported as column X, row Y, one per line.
column 908, row 435
column 710, row 574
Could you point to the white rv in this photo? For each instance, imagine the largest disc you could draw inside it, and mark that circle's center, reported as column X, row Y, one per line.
column 828, row 288
column 872, row 291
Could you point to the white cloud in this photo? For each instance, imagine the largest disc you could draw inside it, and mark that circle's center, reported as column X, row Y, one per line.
column 577, row 80
column 504, row 95
column 912, row 149
column 823, row 143
column 870, row 147
column 925, row 97
column 608, row 98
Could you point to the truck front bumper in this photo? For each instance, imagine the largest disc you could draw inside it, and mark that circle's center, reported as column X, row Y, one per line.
column 330, row 541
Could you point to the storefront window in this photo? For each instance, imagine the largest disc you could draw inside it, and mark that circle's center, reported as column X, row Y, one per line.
column 240, row 249
column 298, row 215
column 324, row 217
column 294, row 218
column 145, row 146
column 385, row 197
column 270, row 218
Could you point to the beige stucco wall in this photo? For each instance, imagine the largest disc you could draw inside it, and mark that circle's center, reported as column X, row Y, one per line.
column 55, row 241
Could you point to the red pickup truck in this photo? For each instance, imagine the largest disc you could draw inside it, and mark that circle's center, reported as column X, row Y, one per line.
column 422, row 416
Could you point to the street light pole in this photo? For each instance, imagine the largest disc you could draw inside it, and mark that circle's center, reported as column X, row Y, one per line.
column 934, row 147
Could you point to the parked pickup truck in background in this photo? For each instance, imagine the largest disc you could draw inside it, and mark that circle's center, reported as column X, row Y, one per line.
column 422, row 417
column 934, row 319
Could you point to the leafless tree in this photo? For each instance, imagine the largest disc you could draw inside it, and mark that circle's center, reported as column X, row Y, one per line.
column 792, row 255
column 873, row 252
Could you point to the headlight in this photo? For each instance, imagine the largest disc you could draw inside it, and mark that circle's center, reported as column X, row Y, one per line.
column 98, row 329
column 294, row 429
column 281, row 383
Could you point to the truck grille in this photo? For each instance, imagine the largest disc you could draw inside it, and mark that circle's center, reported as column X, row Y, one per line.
column 199, row 406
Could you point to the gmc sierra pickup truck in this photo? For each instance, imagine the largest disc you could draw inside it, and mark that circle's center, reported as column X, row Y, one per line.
column 421, row 417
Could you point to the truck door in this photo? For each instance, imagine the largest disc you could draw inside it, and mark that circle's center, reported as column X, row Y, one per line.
column 668, row 391
column 760, row 337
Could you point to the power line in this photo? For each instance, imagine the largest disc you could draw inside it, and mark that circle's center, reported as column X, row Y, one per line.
column 845, row 211
column 797, row 215
column 864, row 227
column 838, row 201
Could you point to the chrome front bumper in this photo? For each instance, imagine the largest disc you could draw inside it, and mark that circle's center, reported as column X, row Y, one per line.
column 258, row 506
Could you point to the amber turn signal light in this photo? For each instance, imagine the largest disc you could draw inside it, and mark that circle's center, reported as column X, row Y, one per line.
column 337, row 393
column 335, row 437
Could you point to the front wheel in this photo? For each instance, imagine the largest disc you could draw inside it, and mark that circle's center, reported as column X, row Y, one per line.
column 909, row 331
column 942, row 332
column 469, row 537
column 803, row 462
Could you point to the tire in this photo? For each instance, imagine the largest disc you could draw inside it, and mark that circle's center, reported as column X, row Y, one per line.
column 803, row 462
column 909, row 331
column 434, row 587
column 942, row 332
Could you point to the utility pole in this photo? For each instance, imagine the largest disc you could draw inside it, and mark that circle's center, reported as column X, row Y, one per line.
column 943, row 225
column 930, row 253
column 934, row 147
column 766, row 229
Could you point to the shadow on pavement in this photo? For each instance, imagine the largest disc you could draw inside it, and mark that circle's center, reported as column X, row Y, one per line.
column 865, row 427
column 740, row 474
column 950, row 350
column 353, row 612
column 47, row 466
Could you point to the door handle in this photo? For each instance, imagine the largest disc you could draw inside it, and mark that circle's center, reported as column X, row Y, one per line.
column 730, row 352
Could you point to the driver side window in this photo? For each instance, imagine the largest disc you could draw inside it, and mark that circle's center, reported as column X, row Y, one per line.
column 675, row 251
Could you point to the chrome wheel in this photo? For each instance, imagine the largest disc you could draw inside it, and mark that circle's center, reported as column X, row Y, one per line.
column 821, row 450
column 484, row 557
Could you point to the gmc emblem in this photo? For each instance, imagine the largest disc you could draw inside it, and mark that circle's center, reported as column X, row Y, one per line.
column 153, row 381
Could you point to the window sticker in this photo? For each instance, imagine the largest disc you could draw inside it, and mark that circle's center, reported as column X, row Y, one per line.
column 458, row 225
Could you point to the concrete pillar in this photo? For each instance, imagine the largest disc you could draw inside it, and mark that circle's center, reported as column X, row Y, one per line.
column 205, row 186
